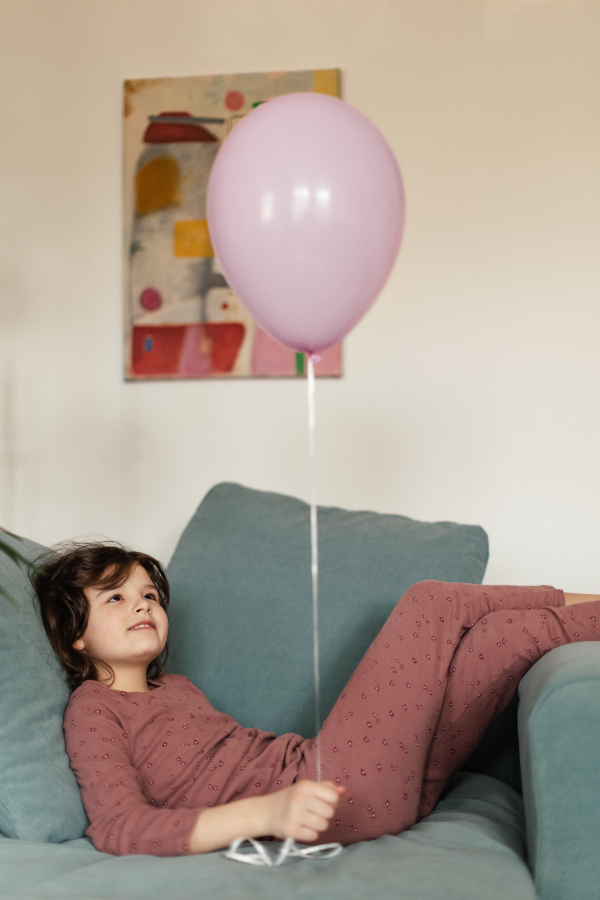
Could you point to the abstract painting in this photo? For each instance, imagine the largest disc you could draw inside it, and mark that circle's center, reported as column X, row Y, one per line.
column 181, row 318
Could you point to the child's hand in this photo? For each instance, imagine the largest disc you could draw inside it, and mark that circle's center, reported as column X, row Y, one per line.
column 302, row 810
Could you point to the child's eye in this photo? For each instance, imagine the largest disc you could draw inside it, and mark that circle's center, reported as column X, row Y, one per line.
column 151, row 597
column 115, row 597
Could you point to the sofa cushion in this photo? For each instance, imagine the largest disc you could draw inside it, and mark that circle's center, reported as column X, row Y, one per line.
column 39, row 796
column 469, row 848
column 241, row 609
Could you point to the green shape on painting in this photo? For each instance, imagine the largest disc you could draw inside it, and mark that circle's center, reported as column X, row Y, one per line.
column 300, row 369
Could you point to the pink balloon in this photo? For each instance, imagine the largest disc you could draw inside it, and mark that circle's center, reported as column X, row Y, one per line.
column 305, row 206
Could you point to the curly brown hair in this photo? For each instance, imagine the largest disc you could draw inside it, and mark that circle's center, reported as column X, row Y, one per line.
column 60, row 578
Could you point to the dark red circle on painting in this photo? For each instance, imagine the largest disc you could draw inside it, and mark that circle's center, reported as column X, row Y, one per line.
column 151, row 299
column 234, row 100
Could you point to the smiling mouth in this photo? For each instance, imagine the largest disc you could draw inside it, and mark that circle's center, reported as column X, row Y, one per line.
column 138, row 627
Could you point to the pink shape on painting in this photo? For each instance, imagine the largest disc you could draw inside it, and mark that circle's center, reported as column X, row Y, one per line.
column 211, row 348
column 192, row 360
column 331, row 361
column 271, row 358
column 234, row 100
column 151, row 299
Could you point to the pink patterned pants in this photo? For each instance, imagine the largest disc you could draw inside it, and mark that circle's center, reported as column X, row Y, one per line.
column 445, row 664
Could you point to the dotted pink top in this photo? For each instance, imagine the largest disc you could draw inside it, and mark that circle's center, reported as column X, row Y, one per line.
column 148, row 763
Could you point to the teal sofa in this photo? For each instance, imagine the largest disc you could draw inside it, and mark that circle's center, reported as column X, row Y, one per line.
column 240, row 628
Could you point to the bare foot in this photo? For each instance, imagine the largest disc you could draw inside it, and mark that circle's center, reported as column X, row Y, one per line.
column 570, row 599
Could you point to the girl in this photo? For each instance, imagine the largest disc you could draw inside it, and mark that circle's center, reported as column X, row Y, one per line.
column 162, row 772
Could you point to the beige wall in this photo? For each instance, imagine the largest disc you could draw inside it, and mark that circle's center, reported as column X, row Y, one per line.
column 471, row 389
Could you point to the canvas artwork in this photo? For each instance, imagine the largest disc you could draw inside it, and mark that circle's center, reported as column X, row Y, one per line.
column 181, row 318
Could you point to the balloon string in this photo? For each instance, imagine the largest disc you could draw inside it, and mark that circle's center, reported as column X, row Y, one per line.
column 314, row 550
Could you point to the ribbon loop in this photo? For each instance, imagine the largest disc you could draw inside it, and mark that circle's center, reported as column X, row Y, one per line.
column 261, row 856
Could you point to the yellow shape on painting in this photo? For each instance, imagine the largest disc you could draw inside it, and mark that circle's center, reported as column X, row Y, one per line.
column 157, row 185
column 327, row 81
column 192, row 238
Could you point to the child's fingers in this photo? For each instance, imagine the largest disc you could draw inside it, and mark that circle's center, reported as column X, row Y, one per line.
column 305, row 835
column 315, row 804
column 319, row 807
column 314, row 822
column 338, row 788
column 325, row 790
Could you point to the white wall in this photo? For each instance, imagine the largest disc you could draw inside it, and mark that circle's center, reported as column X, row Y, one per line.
column 471, row 389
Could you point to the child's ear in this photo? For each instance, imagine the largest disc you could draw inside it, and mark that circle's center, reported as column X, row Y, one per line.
column 79, row 645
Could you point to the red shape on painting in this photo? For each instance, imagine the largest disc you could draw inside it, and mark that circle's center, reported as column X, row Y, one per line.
column 156, row 350
column 163, row 132
column 208, row 349
column 151, row 299
column 234, row 100
column 226, row 339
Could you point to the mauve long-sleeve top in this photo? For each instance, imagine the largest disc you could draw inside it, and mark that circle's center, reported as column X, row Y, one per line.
column 148, row 763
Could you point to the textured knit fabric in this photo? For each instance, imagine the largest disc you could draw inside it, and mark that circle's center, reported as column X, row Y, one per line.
column 148, row 763
column 417, row 704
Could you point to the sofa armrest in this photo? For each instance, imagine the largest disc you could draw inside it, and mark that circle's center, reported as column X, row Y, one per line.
column 559, row 736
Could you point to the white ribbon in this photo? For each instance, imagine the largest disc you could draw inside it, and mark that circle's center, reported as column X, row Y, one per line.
column 262, row 857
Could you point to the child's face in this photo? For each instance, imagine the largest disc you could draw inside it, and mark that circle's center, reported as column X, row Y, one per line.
column 115, row 631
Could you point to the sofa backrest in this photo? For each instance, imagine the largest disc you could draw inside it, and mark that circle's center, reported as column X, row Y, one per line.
column 240, row 629
column 241, row 609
